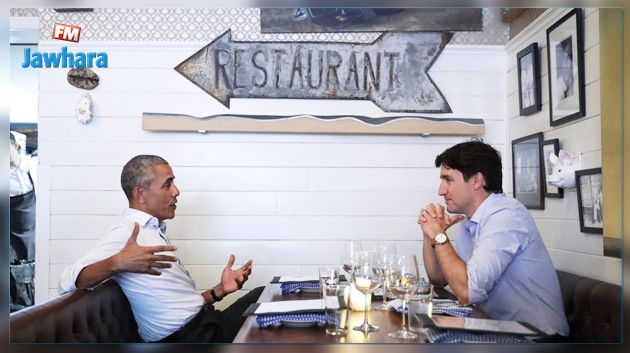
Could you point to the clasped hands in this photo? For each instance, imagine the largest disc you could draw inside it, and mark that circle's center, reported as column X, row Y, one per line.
column 143, row 259
column 433, row 219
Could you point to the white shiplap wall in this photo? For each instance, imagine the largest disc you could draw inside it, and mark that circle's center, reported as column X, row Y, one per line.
column 571, row 250
column 288, row 201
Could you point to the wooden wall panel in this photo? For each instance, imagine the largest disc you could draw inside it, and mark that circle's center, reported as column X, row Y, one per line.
column 571, row 250
column 285, row 200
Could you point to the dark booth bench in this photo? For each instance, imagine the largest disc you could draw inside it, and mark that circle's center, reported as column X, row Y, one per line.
column 593, row 309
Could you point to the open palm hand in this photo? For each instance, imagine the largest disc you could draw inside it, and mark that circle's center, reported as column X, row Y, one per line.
column 232, row 280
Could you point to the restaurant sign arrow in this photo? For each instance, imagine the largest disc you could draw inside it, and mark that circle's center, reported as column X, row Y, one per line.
column 391, row 71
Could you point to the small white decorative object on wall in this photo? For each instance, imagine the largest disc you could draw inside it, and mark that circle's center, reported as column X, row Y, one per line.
column 564, row 167
column 83, row 109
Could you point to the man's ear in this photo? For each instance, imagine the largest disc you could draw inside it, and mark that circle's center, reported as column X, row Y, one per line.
column 137, row 193
column 478, row 180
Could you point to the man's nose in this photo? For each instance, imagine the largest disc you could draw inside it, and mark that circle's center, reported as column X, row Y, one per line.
column 175, row 191
column 442, row 190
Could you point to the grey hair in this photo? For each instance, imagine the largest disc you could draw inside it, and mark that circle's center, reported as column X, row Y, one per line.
column 139, row 172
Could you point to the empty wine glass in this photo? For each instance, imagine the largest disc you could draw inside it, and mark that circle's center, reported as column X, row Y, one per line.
column 365, row 278
column 349, row 255
column 403, row 282
column 385, row 258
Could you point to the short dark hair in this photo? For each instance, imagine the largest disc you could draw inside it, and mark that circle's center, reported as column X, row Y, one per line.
column 472, row 157
column 139, row 172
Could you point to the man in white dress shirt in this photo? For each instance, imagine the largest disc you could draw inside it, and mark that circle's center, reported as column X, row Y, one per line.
column 161, row 292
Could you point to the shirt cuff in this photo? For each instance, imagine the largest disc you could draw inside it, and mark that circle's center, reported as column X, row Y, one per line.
column 475, row 294
column 68, row 280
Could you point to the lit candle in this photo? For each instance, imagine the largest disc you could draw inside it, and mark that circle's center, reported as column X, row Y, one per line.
column 357, row 298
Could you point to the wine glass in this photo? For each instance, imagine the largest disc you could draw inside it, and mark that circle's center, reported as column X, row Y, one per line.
column 385, row 258
column 365, row 278
column 403, row 282
column 349, row 255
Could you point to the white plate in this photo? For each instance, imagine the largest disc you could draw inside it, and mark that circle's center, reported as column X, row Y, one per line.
column 298, row 323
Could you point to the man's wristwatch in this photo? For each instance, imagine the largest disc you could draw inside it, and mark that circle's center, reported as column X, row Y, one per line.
column 440, row 239
column 214, row 295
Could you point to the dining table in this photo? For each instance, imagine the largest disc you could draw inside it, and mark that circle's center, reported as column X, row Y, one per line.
column 387, row 321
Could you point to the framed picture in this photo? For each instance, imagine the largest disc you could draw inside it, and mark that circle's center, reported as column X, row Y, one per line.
column 549, row 147
column 527, row 175
column 565, row 51
column 528, row 63
column 590, row 200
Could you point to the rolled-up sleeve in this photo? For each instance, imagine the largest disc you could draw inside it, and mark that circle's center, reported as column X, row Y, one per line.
column 500, row 240
column 111, row 243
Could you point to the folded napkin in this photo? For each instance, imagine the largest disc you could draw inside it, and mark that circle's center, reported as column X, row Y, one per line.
column 276, row 319
column 441, row 308
column 296, row 287
column 454, row 336
column 453, row 310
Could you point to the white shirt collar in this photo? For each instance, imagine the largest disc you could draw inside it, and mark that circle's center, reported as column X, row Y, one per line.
column 144, row 219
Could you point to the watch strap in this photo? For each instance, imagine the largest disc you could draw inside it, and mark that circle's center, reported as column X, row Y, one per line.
column 214, row 295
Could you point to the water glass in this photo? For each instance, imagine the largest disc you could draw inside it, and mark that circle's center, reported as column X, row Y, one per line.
column 336, row 316
column 421, row 303
column 424, row 295
column 328, row 275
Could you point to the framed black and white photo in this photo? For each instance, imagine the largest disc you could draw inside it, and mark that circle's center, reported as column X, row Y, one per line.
column 528, row 63
column 549, row 147
column 590, row 200
column 527, row 174
column 565, row 52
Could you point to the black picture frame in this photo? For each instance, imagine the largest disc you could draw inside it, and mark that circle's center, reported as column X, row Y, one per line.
column 590, row 200
column 551, row 146
column 528, row 70
column 565, row 53
column 527, row 175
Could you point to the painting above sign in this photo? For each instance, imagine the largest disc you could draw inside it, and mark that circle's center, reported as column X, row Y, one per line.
column 362, row 19
column 392, row 71
column 339, row 124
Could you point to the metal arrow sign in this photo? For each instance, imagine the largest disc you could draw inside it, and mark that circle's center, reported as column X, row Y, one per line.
column 391, row 71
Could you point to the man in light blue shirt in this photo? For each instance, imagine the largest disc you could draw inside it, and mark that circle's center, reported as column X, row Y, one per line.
column 499, row 261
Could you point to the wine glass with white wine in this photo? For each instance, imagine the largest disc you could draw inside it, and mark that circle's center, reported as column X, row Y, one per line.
column 366, row 280
column 403, row 283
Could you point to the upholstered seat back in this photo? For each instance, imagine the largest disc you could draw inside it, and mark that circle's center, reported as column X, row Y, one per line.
column 593, row 308
column 99, row 315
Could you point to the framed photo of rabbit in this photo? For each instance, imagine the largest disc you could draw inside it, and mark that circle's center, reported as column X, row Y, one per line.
column 565, row 52
column 527, row 175
column 590, row 200
column 551, row 147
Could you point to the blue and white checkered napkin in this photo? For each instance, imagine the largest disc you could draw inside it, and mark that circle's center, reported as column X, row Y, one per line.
column 276, row 319
column 452, row 310
column 296, row 287
column 454, row 336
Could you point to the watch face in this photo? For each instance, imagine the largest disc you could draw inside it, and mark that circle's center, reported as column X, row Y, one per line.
column 441, row 238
